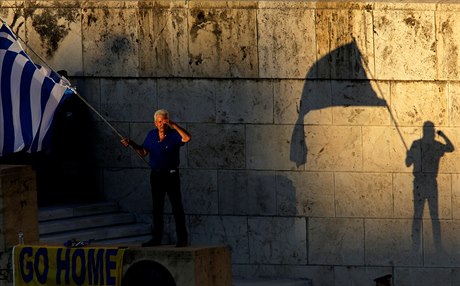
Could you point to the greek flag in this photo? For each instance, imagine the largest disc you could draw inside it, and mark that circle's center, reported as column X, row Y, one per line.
column 29, row 96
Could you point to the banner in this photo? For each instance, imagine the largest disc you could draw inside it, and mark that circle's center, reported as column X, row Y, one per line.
column 49, row 265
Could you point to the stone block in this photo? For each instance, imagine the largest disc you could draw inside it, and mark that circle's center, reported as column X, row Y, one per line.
column 455, row 196
column 455, row 276
column 55, row 34
column 216, row 146
column 305, row 194
column 389, row 242
column 129, row 99
column 226, row 230
column 199, row 191
column 333, row 148
column 129, row 188
column 189, row 100
column 410, row 204
column 310, row 275
column 360, row 103
column 268, row 147
column 414, row 103
column 13, row 14
column 344, row 5
column 450, row 6
column 440, row 243
column 426, row 276
column 367, row 195
column 344, row 44
column 247, row 193
column 244, row 101
column 411, row 52
column 106, row 145
column 360, row 275
column 448, row 60
column 286, row 48
column 385, row 148
column 222, row 4
column 189, row 266
column 270, row 4
column 163, row 41
column 90, row 90
column 454, row 104
column 18, row 206
column 335, row 241
column 277, row 240
column 448, row 158
column 222, row 42
column 110, row 42
column 302, row 102
column 406, row 5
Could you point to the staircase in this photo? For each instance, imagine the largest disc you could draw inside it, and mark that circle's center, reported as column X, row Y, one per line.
column 102, row 222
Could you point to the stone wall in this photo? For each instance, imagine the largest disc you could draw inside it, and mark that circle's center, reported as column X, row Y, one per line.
column 314, row 152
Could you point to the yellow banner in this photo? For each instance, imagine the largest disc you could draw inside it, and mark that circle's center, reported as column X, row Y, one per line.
column 50, row 265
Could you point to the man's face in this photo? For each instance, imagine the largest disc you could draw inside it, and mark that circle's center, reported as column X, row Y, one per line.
column 161, row 122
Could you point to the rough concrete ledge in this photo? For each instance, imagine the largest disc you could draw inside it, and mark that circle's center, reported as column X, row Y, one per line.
column 189, row 266
column 447, row 5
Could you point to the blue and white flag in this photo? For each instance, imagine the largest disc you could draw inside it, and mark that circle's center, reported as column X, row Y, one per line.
column 29, row 97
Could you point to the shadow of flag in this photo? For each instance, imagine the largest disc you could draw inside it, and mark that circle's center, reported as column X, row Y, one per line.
column 343, row 63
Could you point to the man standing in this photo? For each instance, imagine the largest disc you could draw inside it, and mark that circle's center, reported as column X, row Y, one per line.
column 163, row 144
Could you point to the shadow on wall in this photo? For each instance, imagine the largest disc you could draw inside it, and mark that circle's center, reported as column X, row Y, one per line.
column 344, row 62
column 425, row 155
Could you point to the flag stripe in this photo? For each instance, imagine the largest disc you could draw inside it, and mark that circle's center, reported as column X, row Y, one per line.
column 8, row 140
column 16, row 101
column 26, row 114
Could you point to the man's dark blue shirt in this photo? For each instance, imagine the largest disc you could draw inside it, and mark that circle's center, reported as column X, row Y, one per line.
column 164, row 155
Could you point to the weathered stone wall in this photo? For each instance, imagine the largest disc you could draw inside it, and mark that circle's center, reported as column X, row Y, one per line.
column 306, row 120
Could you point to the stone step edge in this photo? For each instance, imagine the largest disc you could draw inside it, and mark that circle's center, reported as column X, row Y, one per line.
column 85, row 222
column 67, row 211
column 100, row 233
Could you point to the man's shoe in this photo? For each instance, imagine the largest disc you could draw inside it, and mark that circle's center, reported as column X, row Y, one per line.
column 151, row 242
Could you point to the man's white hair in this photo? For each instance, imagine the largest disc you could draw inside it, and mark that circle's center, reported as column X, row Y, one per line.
column 163, row 112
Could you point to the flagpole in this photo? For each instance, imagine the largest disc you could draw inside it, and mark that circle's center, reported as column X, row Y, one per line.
column 103, row 119
column 97, row 113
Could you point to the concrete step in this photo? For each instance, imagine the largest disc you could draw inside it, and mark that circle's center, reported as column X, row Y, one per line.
column 106, row 233
column 72, row 224
column 103, row 222
column 66, row 211
column 131, row 241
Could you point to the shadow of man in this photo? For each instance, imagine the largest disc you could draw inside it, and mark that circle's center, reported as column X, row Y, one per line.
column 425, row 155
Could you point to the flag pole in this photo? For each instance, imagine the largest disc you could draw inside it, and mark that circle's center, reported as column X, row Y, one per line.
column 103, row 119
column 97, row 113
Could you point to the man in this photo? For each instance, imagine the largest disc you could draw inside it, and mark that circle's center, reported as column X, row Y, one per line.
column 163, row 144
